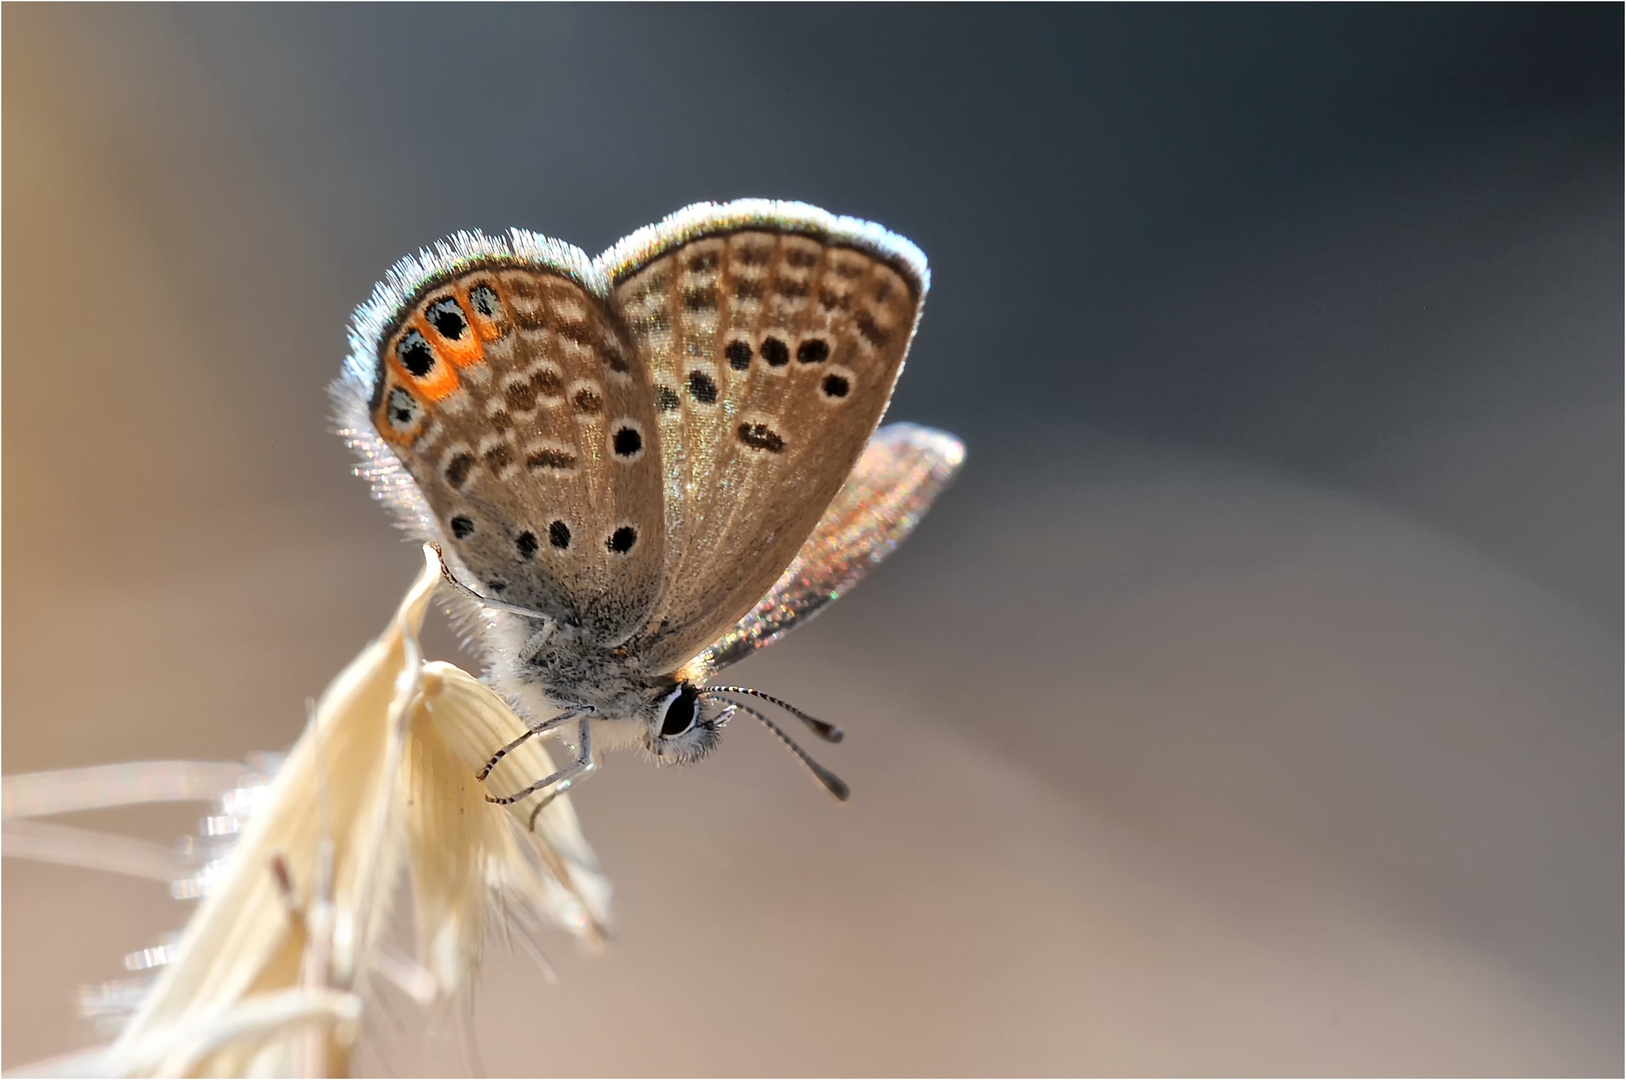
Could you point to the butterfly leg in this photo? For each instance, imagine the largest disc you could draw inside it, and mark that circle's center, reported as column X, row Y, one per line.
column 560, row 780
column 574, row 712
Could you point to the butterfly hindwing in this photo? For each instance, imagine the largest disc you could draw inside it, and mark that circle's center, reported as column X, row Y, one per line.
column 902, row 471
column 772, row 341
column 513, row 397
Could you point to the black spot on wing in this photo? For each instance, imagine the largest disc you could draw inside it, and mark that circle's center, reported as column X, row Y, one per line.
column 622, row 539
column 579, row 332
column 522, row 394
column 548, row 382
column 700, row 299
column 702, row 388
column 739, row 354
column 870, row 331
column 447, row 318
column 776, row 352
column 559, row 535
column 462, row 527
column 550, row 459
column 457, row 470
column 761, row 437
column 402, row 409
column 484, row 298
column 415, row 355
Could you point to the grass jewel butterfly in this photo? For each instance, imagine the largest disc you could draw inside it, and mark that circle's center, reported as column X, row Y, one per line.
column 642, row 467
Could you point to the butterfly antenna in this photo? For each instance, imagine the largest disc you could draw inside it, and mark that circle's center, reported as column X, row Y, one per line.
column 827, row 732
column 832, row 783
column 485, row 601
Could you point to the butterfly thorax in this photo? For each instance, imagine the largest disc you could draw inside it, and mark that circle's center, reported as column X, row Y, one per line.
column 571, row 667
column 547, row 667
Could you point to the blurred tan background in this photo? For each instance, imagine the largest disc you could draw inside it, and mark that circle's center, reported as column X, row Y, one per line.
column 1252, row 706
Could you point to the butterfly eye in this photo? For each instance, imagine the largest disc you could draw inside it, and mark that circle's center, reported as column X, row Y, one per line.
column 680, row 712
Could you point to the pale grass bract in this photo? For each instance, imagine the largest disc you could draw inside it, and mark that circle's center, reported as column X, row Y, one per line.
column 271, row 975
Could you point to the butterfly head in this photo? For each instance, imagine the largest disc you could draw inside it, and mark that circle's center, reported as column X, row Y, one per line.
column 682, row 725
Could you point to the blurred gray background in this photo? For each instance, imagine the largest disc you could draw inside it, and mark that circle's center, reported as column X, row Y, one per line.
column 1251, row 706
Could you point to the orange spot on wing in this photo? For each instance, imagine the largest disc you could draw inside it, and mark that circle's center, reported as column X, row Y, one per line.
column 442, row 378
column 465, row 350
column 381, row 421
column 486, row 329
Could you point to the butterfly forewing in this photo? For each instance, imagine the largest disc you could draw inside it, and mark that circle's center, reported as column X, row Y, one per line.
column 772, row 353
column 902, row 471
column 522, row 411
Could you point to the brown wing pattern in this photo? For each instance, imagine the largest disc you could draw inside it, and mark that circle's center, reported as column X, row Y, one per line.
column 523, row 413
column 773, row 355
column 902, row 471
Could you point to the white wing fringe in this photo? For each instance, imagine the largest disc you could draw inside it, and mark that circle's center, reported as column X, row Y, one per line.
column 270, row 975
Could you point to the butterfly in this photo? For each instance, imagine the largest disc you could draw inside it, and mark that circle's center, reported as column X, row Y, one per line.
column 640, row 468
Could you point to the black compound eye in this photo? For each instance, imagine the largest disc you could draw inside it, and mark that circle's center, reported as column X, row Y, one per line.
column 680, row 712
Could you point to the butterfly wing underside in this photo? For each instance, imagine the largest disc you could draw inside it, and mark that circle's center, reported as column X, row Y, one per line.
column 902, row 471
column 773, row 343
column 514, row 399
